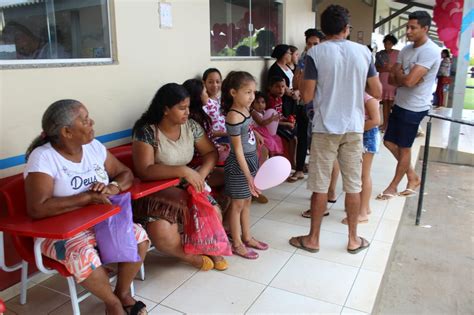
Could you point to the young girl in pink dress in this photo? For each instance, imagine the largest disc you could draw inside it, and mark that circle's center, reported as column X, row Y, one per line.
column 266, row 125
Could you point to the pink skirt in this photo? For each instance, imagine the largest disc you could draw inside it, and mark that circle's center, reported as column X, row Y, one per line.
column 272, row 142
column 388, row 90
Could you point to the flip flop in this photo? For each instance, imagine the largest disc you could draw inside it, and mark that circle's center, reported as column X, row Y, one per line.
column 300, row 245
column 344, row 221
column 361, row 247
column 408, row 193
column 139, row 308
column 307, row 214
column 383, row 196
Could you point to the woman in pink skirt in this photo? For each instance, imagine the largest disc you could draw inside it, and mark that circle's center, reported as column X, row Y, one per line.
column 384, row 61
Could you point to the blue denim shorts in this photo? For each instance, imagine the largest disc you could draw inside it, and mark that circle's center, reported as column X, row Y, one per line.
column 372, row 140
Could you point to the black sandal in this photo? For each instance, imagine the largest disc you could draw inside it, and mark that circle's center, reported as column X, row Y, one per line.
column 139, row 308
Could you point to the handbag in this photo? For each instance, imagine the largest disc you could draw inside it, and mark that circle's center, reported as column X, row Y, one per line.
column 115, row 236
column 203, row 231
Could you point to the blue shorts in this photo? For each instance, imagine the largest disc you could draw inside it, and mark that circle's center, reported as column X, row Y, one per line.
column 372, row 140
column 403, row 126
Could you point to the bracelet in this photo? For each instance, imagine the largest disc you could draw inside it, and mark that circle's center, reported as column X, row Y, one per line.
column 116, row 184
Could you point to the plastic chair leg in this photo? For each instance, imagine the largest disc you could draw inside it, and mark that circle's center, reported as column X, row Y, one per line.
column 24, row 282
column 73, row 293
column 142, row 272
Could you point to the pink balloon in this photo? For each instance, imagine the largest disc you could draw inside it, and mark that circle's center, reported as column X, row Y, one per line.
column 271, row 127
column 273, row 172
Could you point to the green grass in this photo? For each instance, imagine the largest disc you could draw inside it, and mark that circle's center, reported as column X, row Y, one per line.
column 469, row 94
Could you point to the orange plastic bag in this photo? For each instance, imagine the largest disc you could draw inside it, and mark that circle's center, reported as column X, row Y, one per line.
column 203, row 231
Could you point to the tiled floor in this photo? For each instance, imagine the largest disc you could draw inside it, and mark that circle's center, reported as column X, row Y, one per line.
column 282, row 280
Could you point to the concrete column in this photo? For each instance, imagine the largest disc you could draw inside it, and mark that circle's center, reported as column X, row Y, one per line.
column 461, row 72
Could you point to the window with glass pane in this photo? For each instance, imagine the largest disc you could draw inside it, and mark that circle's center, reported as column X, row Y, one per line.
column 54, row 29
column 245, row 28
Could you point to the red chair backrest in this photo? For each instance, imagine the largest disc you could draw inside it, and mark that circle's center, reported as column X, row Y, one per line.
column 123, row 154
column 12, row 195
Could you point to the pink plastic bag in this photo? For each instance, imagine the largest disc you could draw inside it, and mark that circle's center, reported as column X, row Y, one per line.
column 203, row 231
column 115, row 236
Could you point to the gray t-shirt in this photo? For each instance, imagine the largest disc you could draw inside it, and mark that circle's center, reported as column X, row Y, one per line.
column 341, row 68
column 418, row 98
column 245, row 131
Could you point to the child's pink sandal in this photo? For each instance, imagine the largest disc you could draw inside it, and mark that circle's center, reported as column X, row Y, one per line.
column 259, row 245
column 244, row 252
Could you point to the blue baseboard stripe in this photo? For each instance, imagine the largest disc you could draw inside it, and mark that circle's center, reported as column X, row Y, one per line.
column 20, row 159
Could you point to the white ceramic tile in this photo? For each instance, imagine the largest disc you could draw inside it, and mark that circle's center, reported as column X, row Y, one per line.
column 160, row 309
column 277, row 234
column 283, row 302
column 333, row 223
column 253, row 220
column 377, row 256
column 364, row 291
column 260, row 209
column 386, row 230
column 280, row 192
column 394, row 208
column 261, row 270
column 40, row 300
column 162, row 276
column 333, row 248
column 59, row 284
column 316, row 278
column 93, row 306
column 289, row 213
column 350, row 311
column 301, row 196
column 214, row 292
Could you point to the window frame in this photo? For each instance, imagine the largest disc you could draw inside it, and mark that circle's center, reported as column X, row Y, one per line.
column 67, row 62
column 250, row 57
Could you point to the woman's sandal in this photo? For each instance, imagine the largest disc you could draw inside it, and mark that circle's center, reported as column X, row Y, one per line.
column 244, row 252
column 221, row 265
column 259, row 245
column 207, row 264
column 139, row 308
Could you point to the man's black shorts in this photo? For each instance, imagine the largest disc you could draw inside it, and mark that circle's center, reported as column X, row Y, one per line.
column 403, row 126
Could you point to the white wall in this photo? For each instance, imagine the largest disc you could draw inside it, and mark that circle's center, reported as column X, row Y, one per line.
column 148, row 57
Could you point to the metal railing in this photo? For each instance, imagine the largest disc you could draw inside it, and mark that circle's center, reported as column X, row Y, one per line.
column 426, row 155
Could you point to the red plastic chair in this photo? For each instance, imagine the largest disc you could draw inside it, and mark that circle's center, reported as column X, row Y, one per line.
column 124, row 154
column 12, row 195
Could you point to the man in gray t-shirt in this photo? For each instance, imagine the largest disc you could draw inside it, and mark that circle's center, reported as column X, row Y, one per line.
column 414, row 74
column 337, row 72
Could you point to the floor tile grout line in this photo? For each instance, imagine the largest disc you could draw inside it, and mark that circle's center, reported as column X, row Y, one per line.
column 307, row 296
column 266, row 286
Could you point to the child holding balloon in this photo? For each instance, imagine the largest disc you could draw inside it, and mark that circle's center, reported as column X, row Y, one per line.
column 238, row 93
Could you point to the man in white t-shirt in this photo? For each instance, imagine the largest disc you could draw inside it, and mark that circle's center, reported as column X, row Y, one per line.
column 414, row 74
column 337, row 72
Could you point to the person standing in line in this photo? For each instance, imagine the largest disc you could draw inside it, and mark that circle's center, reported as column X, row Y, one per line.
column 384, row 61
column 414, row 74
column 346, row 70
column 443, row 77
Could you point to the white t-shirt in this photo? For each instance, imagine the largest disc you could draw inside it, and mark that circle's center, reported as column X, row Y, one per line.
column 341, row 68
column 290, row 76
column 70, row 178
column 418, row 98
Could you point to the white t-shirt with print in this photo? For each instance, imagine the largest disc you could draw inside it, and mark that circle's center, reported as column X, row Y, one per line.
column 70, row 178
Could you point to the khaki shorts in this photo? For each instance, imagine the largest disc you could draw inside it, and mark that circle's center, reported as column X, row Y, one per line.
column 325, row 149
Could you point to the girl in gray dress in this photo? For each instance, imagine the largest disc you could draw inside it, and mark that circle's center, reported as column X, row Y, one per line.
column 238, row 93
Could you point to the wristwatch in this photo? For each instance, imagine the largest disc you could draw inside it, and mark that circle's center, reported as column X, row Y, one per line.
column 114, row 183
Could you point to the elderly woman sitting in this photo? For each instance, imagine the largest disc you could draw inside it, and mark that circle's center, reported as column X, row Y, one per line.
column 164, row 140
column 68, row 169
